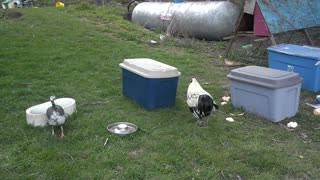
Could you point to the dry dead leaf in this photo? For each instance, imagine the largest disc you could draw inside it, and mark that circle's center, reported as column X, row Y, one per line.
column 226, row 98
column 231, row 63
column 223, row 103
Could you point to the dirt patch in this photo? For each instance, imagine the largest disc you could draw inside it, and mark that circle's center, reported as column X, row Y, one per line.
column 136, row 152
column 13, row 15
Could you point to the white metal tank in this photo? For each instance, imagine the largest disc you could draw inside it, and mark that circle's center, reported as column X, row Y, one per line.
column 204, row 20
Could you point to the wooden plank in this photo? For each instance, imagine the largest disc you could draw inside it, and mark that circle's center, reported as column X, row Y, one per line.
column 308, row 37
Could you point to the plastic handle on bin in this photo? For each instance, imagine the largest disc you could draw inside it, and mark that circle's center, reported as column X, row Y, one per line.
column 317, row 64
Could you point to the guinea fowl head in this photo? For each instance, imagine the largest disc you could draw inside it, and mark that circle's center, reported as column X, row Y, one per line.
column 52, row 98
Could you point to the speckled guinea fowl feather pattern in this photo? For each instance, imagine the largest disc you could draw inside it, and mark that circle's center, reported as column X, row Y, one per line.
column 56, row 115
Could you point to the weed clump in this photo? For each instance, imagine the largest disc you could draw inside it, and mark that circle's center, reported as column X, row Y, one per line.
column 84, row 6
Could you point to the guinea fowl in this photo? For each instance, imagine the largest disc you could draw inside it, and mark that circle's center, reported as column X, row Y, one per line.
column 200, row 102
column 56, row 116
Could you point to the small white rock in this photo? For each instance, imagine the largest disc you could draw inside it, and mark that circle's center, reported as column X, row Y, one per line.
column 153, row 42
column 230, row 119
column 292, row 124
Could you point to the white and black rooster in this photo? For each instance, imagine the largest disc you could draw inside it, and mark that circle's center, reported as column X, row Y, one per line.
column 56, row 116
column 200, row 102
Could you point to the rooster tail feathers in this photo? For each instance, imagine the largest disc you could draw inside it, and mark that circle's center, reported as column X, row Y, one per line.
column 205, row 104
column 215, row 105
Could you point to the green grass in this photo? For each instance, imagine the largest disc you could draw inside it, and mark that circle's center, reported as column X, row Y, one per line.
column 75, row 52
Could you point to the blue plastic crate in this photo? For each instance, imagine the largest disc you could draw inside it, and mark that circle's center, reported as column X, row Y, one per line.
column 304, row 60
column 149, row 83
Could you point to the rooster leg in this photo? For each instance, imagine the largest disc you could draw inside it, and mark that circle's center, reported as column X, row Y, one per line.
column 205, row 121
column 62, row 134
column 202, row 122
column 199, row 122
column 52, row 131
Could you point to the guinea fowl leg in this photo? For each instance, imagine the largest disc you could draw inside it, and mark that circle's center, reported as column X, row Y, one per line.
column 52, row 131
column 62, row 134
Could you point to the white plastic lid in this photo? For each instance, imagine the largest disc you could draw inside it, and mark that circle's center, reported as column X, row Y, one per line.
column 149, row 68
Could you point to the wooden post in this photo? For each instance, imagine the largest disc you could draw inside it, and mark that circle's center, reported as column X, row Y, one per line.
column 235, row 31
column 273, row 41
column 308, row 37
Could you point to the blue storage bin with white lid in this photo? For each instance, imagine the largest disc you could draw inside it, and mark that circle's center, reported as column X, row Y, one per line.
column 150, row 83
